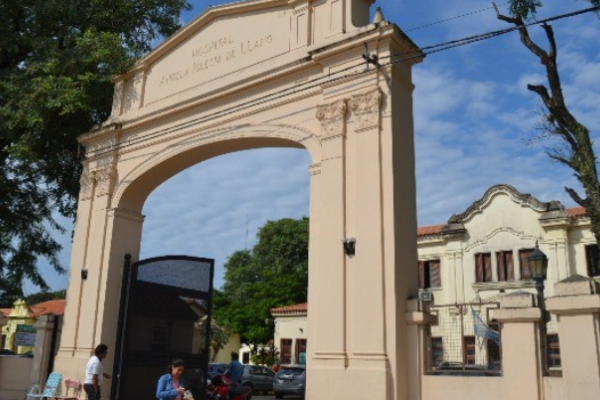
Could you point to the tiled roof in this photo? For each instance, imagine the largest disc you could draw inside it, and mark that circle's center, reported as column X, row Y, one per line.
column 54, row 307
column 5, row 311
column 293, row 309
column 429, row 230
column 576, row 212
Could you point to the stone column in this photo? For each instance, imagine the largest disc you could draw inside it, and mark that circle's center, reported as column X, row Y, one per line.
column 577, row 306
column 368, row 347
column 102, row 238
column 521, row 365
column 43, row 346
column 418, row 320
column 327, row 274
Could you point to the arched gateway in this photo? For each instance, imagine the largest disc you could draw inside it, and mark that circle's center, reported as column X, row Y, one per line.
column 269, row 73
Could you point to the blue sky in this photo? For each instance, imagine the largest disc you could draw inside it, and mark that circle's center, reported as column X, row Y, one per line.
column 475, row 126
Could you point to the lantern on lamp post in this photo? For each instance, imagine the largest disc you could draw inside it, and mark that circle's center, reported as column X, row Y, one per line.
column 538, row 263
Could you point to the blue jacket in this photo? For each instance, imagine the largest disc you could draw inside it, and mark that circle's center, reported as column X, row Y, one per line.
column 164, row 390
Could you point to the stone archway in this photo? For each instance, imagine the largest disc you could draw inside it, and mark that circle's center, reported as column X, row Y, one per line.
column 269, row 73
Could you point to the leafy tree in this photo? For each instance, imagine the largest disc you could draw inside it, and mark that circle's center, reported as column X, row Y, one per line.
column 266, row 355
column 219, row 337
column 57, row 61
column 576, row 147
column 273, row 274
column 41, row 297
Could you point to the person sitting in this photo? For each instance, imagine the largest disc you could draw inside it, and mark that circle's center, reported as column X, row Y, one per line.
column 234, row 371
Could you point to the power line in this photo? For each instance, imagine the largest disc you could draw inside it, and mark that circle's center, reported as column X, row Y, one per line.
column 396, row 58
column 467, row 14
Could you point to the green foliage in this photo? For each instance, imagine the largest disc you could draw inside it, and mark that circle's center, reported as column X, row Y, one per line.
column 527, row 9
column 265, row 355
column 524, row 8
column 41, row 297
column 219, row 337
column 57, row 61
column 273, row 274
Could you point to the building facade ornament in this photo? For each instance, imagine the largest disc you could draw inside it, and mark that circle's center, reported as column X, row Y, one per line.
column 365, row 109
column 524, row 199
column 103, row 177
column 86, row 184
column 333, row 118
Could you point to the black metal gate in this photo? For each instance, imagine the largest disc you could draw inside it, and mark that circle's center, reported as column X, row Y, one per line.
column 166, row 306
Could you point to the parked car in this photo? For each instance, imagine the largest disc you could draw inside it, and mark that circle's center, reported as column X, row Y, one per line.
column 5, row 352
column 216, row 369
column 258, row 378
column 290, row 380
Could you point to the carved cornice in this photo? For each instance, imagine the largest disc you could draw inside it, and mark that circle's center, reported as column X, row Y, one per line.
column 103, row 177
column 366, row 109
column 524, row 199
column 333, row 118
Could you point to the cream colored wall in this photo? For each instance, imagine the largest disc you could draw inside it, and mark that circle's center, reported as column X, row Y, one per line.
column 224, row 355
column 291, row 327
column 504, row 225
column 358, row 131
column 15, row 373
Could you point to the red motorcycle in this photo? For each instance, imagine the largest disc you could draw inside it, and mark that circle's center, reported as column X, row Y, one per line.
column 220, row 386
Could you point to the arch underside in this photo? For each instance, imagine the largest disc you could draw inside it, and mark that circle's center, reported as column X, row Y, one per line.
column 137, row 184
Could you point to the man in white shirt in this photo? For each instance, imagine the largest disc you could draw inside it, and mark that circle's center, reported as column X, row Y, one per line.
column 94, row 373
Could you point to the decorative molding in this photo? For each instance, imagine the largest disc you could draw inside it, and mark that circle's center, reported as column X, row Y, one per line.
column 366, row 109
column 97, row 148
column 127, row 215
column 103, row 177
column 485, row 286
column 524, row 199
column 314, row 169
column 86, row 183
column 506, row 229
column 333, row 118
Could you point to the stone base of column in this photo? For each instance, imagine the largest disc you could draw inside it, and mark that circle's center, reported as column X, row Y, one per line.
column 366, row 377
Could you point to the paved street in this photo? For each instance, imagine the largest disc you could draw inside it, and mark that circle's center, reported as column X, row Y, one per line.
column 271, row 397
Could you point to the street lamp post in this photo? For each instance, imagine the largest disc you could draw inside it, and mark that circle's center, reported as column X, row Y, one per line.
column 538, row 262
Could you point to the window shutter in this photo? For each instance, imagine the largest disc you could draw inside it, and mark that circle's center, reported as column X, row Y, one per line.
column 487, row 259
column 422, row 274
column 510, row 268
column 524, row 258
column 501, row 269
column 435, row 274
column 479, row 267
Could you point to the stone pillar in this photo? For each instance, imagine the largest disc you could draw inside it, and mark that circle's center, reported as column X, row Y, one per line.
column 327, row 274
column 102, row 238
column 521, row 363
column 577, row 306
column 42, row 351
column 418, row 320
column 368, row 347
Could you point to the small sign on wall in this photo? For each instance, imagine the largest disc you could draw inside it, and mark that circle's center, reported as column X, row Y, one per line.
column 25, row 336
column 302, row 359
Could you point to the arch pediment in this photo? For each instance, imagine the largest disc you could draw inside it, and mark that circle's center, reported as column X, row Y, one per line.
column 522, row 199
column 230, row 43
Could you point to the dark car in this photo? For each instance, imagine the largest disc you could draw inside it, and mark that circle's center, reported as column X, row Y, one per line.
column 258, row 378
column 290, row 380
column 5, row 352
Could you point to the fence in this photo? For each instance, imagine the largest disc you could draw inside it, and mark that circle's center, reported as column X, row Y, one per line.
column 465, row 341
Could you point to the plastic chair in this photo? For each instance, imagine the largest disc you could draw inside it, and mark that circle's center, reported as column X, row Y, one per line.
column 50, row 390
column 70, row 386
column 35, row 392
